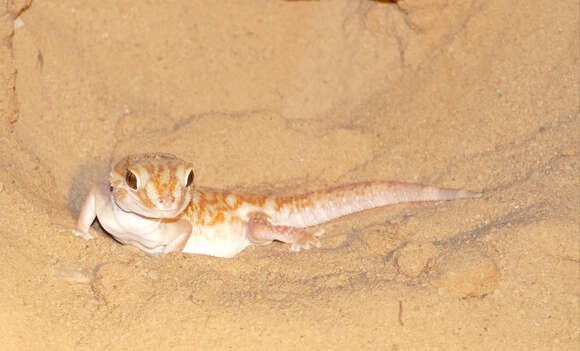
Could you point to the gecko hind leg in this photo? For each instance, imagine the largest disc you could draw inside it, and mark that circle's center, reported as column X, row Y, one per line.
column 262, row 232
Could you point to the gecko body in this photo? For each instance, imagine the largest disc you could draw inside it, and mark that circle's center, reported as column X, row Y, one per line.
column 153, row 204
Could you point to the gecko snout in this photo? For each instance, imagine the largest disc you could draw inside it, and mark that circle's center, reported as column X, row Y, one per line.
column 166, row 200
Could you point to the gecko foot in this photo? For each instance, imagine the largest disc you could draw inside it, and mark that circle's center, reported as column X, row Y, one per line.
column 306, row 240
column 84, row 235
column 261, row 231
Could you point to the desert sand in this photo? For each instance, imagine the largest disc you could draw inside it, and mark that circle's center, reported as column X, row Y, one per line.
column 287, row 97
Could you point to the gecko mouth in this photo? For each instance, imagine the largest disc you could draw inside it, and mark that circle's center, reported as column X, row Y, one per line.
column 135, row 206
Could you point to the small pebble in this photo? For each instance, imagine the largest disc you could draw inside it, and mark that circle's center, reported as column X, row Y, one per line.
column 72, row 272
column 415, row 257
column 468, row 273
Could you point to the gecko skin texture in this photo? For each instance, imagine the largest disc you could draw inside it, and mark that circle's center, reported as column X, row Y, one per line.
column 152, row 203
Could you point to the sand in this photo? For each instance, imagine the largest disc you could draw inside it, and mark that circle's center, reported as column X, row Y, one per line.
column 288, row 97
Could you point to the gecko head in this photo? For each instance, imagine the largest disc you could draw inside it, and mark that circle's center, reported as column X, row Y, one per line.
column 154, row 185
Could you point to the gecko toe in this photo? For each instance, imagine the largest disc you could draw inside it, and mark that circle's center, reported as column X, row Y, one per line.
column 295, row 248
column 306, row 241
column 83, row 235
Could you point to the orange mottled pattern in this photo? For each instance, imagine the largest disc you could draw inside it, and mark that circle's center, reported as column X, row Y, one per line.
column 325, row 197
column 211, row 207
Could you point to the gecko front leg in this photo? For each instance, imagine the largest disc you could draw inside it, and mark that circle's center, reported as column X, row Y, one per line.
column 89, row 210
column 170, row 236
column 262, row 232
column 179, row 231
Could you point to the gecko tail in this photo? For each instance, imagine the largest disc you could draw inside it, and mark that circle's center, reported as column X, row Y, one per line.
column 322, row 206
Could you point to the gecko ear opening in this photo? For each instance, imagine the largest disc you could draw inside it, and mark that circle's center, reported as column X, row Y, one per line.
column 131, row 180
column 189, row 178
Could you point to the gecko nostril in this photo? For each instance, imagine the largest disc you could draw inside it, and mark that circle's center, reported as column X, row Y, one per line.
column 166, row 200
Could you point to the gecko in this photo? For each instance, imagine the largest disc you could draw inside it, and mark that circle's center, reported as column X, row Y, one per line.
column 151, row 202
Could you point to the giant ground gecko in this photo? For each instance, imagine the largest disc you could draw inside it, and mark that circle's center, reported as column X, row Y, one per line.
column 152, row 203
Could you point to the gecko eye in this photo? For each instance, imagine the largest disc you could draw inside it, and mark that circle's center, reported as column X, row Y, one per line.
column 189, row 178
column 131, row 180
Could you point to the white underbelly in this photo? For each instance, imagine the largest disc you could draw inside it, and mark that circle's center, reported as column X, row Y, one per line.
column 221, row 240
